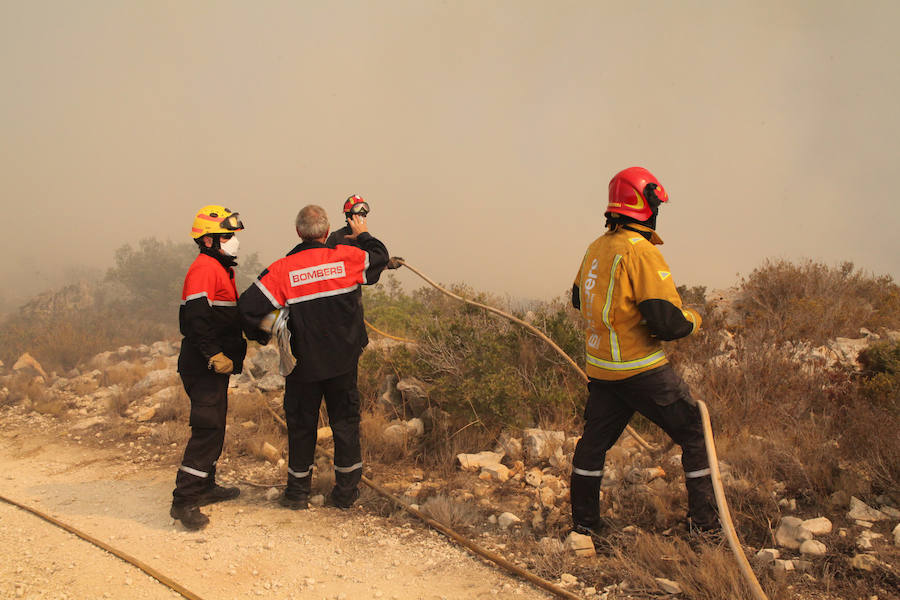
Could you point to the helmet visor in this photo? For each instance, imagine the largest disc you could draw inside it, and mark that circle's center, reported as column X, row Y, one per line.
column 360, row 208
column 232, row 222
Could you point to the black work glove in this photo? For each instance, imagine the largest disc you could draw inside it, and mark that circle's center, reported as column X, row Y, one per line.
column 395, row 262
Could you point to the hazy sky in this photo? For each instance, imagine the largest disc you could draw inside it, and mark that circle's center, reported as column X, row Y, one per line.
column 483, row 133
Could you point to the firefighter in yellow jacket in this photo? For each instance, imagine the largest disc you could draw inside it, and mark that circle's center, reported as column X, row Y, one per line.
column 626, row 294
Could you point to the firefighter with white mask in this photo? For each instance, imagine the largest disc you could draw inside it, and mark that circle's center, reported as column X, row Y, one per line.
column 630, row 305
column 212, row 349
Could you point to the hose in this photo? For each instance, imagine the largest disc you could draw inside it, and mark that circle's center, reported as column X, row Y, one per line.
column 718, row 490
column 387, row 335
column 163, row 579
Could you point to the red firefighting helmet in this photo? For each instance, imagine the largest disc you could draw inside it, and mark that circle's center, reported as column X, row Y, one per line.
column 355, row 205
column 626, row 193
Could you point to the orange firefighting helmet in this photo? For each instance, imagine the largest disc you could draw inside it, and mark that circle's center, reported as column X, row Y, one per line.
column 629, row 194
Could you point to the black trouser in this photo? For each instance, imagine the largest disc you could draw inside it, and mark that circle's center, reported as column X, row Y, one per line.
column 301, row 411
column 209, row 405
column 661, row 396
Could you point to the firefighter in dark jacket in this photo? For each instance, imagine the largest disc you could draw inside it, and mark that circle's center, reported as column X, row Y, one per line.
column 628, row 299
column 212, row 349
column 320, row 286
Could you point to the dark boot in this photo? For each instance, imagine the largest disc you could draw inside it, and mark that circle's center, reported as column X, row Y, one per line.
column 294, row 501
column 584, row 494
column 702, row 512
column 342, row 501
column 189, row 515
column 218, row 493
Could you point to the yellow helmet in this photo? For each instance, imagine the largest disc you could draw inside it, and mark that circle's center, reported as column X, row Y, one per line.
column 215, row 219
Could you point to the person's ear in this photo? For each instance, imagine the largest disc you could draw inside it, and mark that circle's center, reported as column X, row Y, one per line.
column 207, row 241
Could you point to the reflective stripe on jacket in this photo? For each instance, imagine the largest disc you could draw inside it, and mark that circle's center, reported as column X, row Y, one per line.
column 629, row 302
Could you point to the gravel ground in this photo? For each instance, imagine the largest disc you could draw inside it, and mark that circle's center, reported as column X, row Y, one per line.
column 252, row 548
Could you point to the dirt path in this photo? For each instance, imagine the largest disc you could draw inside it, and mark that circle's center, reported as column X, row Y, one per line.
column 252, row 548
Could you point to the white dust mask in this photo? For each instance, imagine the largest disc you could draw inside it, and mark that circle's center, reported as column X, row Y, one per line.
column 230, row 247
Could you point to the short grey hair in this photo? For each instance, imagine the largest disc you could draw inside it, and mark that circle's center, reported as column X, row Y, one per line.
column 312, row 222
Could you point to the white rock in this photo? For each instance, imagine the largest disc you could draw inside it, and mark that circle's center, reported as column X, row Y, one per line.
column 540, row 444
column 864, row 562
column 507, row 519
column 416, row 427
column 860, row 511
column 396, row 434
column 849, row 349
column 890, row 511
column 155, row 379
column 511, row 447
column 784, row 565
column 668, row 586
column 547, row 496
column 767, row 556
column 533, row 477
column 791, row 533
column 581, row 545
column 270, row 382
column 818, row 526
column 146, row 414
column 28, row 364
column 495, row 472
column 474, row 462
column 272, row 494
column 568, row 580
column 270, row 452
column 317, row 500
column 897, row 535
column 864, row 541
column 813, row 548
column 637, row 475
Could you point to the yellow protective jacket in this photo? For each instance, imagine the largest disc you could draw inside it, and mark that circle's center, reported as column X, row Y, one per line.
column 629, row 302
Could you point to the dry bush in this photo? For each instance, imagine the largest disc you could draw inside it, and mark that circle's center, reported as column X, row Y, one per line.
column 708, row 575
column 117, row 404
column 176, row 407
column 815, row 302
column 552, row 560
column 449, row 512
column 49, row 404
column 171, row 432
column 375, row 446
column 123, row 374
column 22, row 388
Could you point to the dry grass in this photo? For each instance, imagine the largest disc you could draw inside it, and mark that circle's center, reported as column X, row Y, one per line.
column 449, row 512
column 171, row 432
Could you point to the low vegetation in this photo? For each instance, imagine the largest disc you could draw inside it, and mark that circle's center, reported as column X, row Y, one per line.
column 785, row 425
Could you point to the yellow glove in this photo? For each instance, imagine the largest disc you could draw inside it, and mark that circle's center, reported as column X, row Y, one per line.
column 221, row 364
